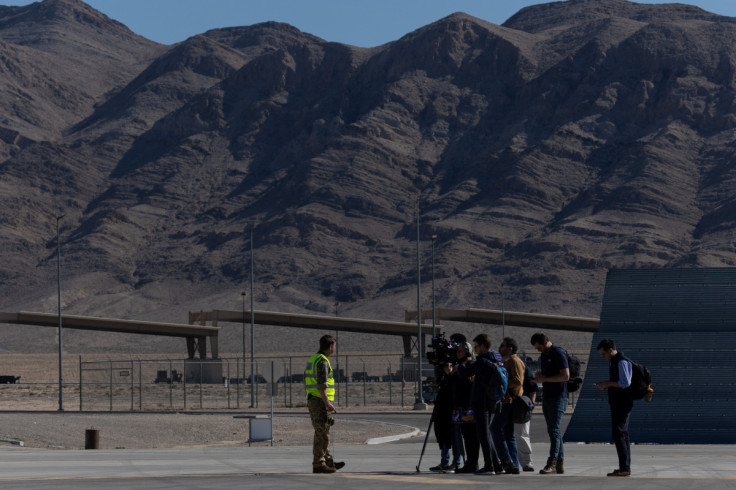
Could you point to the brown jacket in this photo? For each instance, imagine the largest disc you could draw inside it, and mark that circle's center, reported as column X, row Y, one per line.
column 515, row 367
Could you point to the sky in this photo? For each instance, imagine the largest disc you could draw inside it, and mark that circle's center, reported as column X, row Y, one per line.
column 356, row 22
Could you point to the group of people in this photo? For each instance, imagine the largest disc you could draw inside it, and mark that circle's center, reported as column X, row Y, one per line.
column 468, row 416
column 508, row 449
column 468, row 388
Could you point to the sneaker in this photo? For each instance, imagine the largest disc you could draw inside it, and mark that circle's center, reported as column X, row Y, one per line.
column 442, row 468
column 323, row 469
column 619, row 473
column 510, row 469
column 549, row 469
column 467, row 469
column 485, row 471
column 528, row 468
column 451, row 468
column 560, row 469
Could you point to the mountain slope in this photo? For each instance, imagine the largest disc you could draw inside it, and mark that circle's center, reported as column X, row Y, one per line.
column 577, row 137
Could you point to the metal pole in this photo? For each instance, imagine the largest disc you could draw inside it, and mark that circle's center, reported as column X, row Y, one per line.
column 272, row 386
column 110, row 384
column 132, row 385
column 419, row 405
column 291, row 378
column 390, row 383
column 337, row 359
column 171, row 388
column 252, row 331
column 243, row 296
column 140, row 385
column 347, row 383
column 58, row 295
column 434, row 308
column 80, row 383
column 365, row 379
column 503, row 316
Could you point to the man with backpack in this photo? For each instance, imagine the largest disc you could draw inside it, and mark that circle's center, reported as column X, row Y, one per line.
column 620, row 400
column 553, row 374
column 485, row 392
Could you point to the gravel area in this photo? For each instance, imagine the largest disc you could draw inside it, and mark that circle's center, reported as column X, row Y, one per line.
column 170, row 430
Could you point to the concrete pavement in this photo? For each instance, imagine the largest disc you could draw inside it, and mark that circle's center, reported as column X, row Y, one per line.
column 368, row 466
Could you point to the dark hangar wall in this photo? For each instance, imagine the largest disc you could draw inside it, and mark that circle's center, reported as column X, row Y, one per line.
column 681, row 324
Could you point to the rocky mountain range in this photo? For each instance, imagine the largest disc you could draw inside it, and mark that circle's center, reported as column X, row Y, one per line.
column 578, row 136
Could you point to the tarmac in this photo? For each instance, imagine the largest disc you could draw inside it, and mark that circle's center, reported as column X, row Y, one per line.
column 368, row 466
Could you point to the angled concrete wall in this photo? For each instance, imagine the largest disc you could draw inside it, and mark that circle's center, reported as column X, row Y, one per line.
column 681, row 324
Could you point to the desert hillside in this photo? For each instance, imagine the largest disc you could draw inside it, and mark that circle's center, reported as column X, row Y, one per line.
column 576, row 137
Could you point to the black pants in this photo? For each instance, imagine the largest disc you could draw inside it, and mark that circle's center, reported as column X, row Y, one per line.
column 482, row 425
column 620, row 415
column 472, row 448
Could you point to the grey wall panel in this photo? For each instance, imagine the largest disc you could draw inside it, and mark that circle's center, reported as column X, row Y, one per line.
column 681, row 324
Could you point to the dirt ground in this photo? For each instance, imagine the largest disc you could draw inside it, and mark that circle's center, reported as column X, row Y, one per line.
column 29, row 413
column 66, row 430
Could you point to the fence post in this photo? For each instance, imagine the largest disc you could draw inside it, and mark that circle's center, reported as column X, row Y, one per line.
column 228, row 382
column 132, row 386
column 80, row 383
column 237, row 385
column 365, row 380
column 185, row 384
column 403, row 382
column 200, row 385
column 283, row 370
column 347, row 382
column 291, row 375
column 110, row 384
column 140, row 385
column 390, row 385
column 171, row 387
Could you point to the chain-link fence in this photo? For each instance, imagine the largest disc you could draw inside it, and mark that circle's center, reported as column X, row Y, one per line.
column 235, row 383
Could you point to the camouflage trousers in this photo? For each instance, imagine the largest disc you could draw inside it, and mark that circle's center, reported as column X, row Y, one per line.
column 321, row 421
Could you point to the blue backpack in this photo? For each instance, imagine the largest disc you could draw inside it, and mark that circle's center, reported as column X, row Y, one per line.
column 496, row 388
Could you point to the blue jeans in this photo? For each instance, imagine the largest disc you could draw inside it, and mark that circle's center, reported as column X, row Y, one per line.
column 553, row 409
column 502, row 430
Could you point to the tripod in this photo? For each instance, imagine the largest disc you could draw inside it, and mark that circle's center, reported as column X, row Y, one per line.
column 424, row 446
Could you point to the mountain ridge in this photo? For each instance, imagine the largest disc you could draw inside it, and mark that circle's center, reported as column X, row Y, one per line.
column 576, row 137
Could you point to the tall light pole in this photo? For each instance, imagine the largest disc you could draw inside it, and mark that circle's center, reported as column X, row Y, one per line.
column 419, row 405
column 434, row 308
column 58, row 296
column 337, row 355
column 252, row 331
column 242, row 294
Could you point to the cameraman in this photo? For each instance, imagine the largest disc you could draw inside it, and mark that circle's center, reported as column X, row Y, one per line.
column 443, row 425
column 483, row 369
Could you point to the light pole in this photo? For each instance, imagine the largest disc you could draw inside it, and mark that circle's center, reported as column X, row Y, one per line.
column 58, row 296
column 243, row 296
column 337, row 360
column 434, row 308
column 419, row 405
column 252, row 331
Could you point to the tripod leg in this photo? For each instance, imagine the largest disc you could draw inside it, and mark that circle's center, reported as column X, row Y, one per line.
column 424, row 446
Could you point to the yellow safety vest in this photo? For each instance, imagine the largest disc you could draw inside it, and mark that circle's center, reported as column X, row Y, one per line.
column 310, row 380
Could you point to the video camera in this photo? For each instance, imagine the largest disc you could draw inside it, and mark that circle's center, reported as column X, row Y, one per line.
column 444, row 351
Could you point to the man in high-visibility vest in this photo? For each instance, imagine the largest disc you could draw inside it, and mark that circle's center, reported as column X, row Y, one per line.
column 320, row 385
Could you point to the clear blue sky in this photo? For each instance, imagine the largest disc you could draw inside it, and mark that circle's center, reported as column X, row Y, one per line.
column 358, row 22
